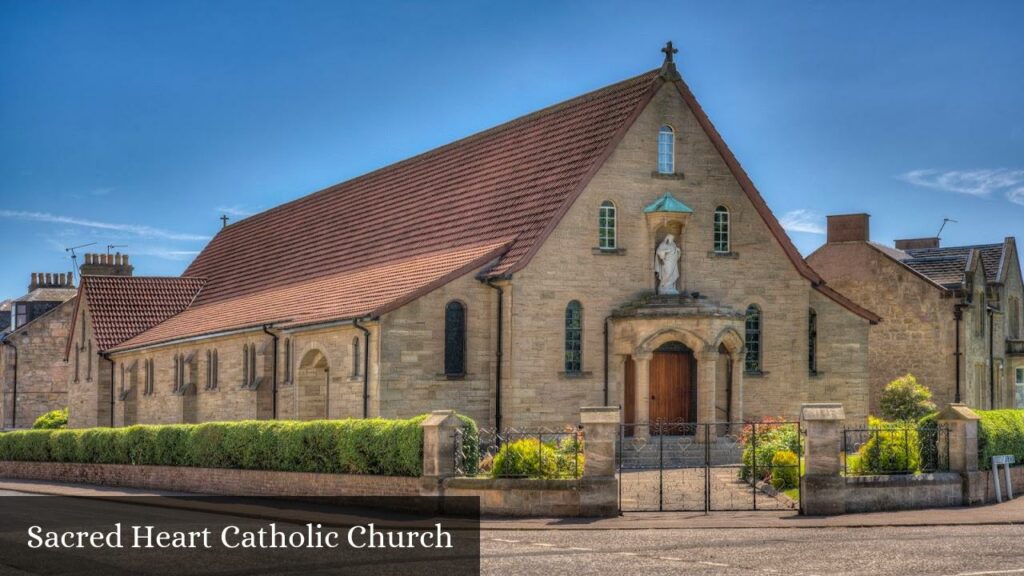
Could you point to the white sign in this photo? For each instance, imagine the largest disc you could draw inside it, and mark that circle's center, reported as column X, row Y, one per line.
column 1005, row 460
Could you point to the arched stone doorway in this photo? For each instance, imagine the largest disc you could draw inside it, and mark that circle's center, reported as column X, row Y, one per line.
column 672, row 388
column 313, row 388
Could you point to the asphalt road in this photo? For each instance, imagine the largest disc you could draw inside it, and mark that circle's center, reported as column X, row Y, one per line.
column 960, row 551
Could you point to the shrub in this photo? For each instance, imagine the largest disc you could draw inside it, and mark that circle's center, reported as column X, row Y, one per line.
column 470, row 446
column 762, row 441
column 904, row 399
column 785, row 470
column 52, row 420
column 373, row 446
column 892, row 447
column 525, row 458
column 1000, row 432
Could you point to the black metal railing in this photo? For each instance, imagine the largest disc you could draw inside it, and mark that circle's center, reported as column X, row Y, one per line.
column 895, row 449
column 521, row 453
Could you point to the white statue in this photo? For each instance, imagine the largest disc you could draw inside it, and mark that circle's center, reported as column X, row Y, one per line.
column 666, row 265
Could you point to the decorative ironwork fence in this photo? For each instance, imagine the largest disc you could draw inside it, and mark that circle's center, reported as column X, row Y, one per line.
column 895, row 449
column 521, row 453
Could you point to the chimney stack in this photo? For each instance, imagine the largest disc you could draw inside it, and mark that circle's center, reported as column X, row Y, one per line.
column 849, row 228
column 912, row 243
column 51, row 280
column 106, row 265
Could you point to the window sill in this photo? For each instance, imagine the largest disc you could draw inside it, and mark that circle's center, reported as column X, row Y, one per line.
column 757, row 374
column 575, row 375
column 727, row 255
column 659, row 176
column 608, row 251
column 356, row 378
column 815, row 375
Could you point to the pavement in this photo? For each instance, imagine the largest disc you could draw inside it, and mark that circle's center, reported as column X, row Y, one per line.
column 1007, row 513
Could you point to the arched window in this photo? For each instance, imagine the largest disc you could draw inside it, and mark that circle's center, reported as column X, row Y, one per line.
column 574, row 338
column 753, row 339
column 356, row 364
column 606, row 236
column 666, row 150
column 812, row 341
column 722, row 230
column 454, row 339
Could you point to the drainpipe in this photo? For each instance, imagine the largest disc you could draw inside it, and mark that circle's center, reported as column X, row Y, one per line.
column 366, row 367
column 14, row 385
column 273, row 379
column 606, row 319
column 106, row 357
column 958, row 315
column 498, row 353
column 991, row 359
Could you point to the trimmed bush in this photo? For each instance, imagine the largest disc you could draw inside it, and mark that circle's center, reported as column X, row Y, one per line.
column 1000, row 432
column 904, row 399
column 772, row 436
column 526, row 458
column 892, row 448
column 785, row 470
column 52, row 420
column 371, row 446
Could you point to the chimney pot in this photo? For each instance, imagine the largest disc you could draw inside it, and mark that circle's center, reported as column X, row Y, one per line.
column 849, row 228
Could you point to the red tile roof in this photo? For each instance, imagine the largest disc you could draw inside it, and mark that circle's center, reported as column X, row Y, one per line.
column 124, row 306
column 505, row 187
column 369, row 291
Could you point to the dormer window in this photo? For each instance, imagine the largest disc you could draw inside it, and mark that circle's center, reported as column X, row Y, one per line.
column 666, row 150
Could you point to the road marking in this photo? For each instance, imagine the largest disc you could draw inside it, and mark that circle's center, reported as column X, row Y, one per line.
column 627, row 553
column 582, row 549
column 505, row 540
column 990, row 572
column 544, row 544
column 669, row 558
column 713, row 563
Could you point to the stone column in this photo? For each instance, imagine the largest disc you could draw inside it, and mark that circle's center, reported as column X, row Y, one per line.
column 961, row 442
column 438, row 448
column 736, row 401
column 600, row 429
column 707, row 379
column 822, row 489
column 642, row 401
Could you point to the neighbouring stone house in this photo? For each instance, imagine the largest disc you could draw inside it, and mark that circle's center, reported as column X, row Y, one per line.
column 33, row 373
column 606, row 250
column 5, row 316
column 952, row 314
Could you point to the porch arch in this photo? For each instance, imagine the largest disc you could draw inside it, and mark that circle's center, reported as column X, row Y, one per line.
column 651, row 343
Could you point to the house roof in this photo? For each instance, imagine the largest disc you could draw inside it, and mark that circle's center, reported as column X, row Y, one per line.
column 49, row 295
column 506, row 187
column 945, row 267
column 124, row 306
column 368, row 291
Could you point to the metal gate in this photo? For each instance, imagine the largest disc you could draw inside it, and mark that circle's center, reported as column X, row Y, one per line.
column 705, row 467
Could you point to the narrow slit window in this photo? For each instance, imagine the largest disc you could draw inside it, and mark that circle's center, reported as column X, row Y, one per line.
column 753, row 339
column 454, row 339
column 812, row 342
column 574, row 337
column 356, row 364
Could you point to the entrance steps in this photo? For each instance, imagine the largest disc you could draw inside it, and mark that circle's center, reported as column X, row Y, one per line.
column 678, row 452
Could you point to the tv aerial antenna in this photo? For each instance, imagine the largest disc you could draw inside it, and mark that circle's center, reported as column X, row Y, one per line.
column 944, row 222
column 74, row 257
column 112, row 246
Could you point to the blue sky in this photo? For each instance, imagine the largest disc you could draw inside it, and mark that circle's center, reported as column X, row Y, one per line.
column 139, row 123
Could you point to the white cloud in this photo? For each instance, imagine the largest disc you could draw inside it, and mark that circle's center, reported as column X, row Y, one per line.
column 970, row 182
column 802, row 220
column 1016, row 195
column 139, row 230
column 236, row 211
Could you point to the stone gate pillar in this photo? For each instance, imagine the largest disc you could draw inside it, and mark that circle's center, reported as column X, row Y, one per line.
column 438, row 448
column 823, row 489
column 961, row 441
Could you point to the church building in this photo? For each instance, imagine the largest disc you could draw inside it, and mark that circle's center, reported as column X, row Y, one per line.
column 607, row 250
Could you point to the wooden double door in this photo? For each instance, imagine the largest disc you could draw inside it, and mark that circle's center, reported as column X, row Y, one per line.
column 673, row 387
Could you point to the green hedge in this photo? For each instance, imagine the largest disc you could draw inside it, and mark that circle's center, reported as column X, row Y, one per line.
column 1000, row 432
column 370, row 446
